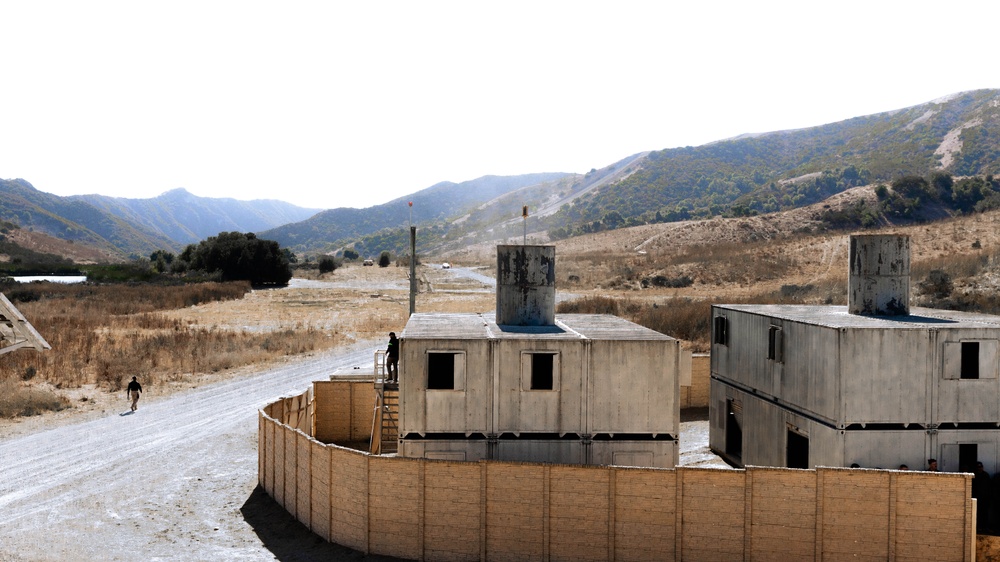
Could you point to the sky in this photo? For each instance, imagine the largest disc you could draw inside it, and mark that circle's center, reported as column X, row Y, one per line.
column 331, row 104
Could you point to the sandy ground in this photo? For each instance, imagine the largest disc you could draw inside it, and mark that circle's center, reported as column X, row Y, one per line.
column 177, row 480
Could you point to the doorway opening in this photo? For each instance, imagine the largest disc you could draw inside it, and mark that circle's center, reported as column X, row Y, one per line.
column 734, row 433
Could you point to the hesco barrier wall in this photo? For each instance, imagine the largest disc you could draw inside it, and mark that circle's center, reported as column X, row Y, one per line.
column 442, row 510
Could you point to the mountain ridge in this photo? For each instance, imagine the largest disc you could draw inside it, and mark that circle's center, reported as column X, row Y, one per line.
column 204, row 216
column 747, row 175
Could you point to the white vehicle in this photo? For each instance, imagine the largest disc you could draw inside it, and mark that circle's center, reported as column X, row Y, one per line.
column 445, row 265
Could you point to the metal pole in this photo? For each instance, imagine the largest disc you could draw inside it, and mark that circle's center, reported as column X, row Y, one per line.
column 413, row 269
column 524, row 215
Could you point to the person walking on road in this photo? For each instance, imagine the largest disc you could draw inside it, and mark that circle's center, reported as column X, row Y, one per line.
column 392, row 359
column 134, row 388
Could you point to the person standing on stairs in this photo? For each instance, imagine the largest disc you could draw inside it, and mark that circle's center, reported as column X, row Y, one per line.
column 392, row 359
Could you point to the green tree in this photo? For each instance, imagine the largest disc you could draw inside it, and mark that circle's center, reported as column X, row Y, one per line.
column 327, row 264
column 161, row 260
column 943, row 183
column 384, row 259
column 238, row 256
column 612, row 220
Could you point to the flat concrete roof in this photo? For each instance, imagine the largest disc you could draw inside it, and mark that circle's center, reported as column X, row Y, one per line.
column 838, row 317
column 567, row 327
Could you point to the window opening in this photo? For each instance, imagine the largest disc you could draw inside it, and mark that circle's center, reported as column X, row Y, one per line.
column 541, row 371
column 797, row 450
column 774, row 344
column 721, row 330
column 441, row 371
column 970, row 360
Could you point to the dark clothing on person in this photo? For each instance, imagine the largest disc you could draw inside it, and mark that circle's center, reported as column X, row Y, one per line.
column 392, row 359
column 982, row 491
column 133, row 390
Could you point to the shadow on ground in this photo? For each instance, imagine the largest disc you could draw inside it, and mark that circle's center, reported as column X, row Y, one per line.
column 694, row 414
column 291, row 541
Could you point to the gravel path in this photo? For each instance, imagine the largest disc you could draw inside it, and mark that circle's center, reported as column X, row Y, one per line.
column 174, row 481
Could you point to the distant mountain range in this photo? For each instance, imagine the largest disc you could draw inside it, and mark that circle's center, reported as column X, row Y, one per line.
column 139, row 226
column 186, row 219
column 746, row 175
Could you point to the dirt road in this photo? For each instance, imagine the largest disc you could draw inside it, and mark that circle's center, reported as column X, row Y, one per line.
column 177, row 480
column 174, row 481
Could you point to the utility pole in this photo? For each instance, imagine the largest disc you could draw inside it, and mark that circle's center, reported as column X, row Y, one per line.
column 413, row 269
column 413, row 263
column 524, row 215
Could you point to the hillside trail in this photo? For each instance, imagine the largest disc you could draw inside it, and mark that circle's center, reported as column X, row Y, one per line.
column 174, row 481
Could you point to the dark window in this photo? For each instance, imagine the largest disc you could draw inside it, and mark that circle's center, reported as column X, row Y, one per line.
column 721, row 330
column 541, row 371
column 774, row 344
column 734, row 433
column 797, row 451
column 970, row 360
column 441, row 371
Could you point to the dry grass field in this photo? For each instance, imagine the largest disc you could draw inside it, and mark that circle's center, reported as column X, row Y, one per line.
column 177, row 337
column 782, row 257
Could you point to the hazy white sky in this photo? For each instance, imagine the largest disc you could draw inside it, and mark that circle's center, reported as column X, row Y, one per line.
column 351, row 104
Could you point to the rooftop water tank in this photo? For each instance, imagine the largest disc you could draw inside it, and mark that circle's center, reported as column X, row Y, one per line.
column 879, row 277
column 526, row 285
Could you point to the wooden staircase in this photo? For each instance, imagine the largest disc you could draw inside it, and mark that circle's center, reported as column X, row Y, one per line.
column 385, row 426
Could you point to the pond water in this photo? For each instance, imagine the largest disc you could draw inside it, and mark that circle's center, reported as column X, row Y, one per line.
column 52, row 278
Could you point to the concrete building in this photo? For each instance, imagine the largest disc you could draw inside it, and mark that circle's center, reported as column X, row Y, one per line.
column 873, row 383
column 524, row 384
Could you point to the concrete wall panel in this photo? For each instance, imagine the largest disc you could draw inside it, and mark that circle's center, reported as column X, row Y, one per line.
column 516, row 498
column 349, row 498
column 622, row 403
column 290, row 472
column 452, row 510
column 645, row 515
column 928, row 522
column 856, row 522
column 425, row 411
column 319, row 501
column 579, row 512
column 268, row 451
column 303, row 478
column 394, row 482
column 713, row 507
column 885, row 375
column 279, row 464
column 782, row 514
column 520, row 409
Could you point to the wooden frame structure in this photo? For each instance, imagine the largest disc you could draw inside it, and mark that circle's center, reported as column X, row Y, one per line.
column 16, row 332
